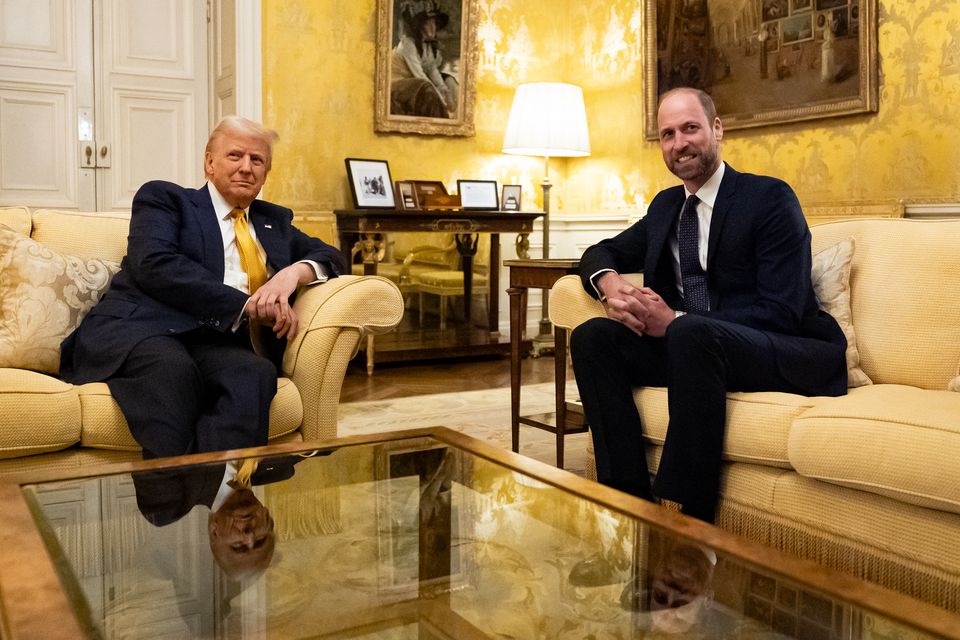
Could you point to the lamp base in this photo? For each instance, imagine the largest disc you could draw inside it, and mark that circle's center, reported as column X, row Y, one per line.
column 543, row 343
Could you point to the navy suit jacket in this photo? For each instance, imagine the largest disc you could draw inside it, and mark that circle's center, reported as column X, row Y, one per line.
column 758, row 272
column 171, row 280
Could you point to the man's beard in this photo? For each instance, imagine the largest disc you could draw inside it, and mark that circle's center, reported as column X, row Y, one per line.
column 706, row 162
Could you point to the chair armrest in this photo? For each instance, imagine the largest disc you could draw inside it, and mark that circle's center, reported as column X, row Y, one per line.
column 334, row 317
column 570, row 305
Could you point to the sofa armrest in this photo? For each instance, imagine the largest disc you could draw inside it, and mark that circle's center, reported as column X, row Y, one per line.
column 334, row 317
column 570, row 305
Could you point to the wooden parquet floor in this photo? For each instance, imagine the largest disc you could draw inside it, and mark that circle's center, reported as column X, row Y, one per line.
column 399, row 380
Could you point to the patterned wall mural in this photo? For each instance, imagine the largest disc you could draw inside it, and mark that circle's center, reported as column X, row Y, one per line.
column 318, row 92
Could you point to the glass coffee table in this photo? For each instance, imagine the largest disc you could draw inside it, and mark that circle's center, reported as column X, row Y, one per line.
column 414, row 534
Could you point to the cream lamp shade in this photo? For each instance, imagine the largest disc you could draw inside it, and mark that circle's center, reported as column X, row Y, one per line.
column 547, row 119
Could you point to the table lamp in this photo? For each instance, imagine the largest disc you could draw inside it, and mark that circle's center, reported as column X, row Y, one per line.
column 547, row 119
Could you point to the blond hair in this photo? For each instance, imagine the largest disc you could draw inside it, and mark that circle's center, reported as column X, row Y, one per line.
column 239, row 124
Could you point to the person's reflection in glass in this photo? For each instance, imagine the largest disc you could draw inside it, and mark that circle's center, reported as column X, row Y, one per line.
column 681, row 588
column 240, row 527
column 242, row 538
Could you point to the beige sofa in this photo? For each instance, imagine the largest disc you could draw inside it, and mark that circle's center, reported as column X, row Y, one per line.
column 45, row 422
column 868, row 482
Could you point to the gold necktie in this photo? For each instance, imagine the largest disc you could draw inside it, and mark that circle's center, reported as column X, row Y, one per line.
column 250, row 258
column 244, row 475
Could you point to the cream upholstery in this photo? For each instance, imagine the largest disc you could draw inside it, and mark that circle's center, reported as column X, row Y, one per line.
column 867, row 482
column 83, row 425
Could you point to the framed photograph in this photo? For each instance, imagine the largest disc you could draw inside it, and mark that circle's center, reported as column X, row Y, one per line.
column 426, row 66
column 511, row 197
column 790, row 60
column 478, row 194
column 406, row 195
column 370, row 184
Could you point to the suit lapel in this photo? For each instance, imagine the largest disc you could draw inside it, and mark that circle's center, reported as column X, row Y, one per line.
column 209, row 231
column 659, row 229
column 721, row 208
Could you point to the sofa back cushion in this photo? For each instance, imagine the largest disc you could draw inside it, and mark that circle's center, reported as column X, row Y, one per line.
column 904, row 296
column 83, row 234
column 16, row 218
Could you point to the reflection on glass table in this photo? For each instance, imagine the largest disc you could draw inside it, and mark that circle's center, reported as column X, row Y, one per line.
column 423, row 536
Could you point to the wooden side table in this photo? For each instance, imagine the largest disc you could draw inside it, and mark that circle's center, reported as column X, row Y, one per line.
column 538, row 274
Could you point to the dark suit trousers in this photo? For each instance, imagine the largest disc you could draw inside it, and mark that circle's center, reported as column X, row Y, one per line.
column 698, row 360
column 200, row 391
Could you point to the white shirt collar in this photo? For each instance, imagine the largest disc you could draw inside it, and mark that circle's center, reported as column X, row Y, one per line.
column 220, row 205
column 708, row 192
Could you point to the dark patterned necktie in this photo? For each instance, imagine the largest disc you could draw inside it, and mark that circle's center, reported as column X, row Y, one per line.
column 695, row 296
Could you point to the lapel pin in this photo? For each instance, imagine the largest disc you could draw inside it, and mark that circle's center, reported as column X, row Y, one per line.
column 268, row 226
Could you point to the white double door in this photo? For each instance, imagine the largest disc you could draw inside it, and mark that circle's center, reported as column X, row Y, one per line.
column 98, row 97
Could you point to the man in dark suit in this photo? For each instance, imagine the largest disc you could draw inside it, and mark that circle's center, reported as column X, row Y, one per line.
column 727, row 305
column 190, row 335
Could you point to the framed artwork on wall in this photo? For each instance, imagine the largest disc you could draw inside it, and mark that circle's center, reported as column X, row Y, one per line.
column 764, row 63
column 370, row 184
column 426, row 66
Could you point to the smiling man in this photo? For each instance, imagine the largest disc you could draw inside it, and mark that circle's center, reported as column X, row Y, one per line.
column 727, row 305
column 190, row 334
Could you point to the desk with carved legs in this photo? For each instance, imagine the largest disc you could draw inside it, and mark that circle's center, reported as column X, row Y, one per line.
column 361, row 231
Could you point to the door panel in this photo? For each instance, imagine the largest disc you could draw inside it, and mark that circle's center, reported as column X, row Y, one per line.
column 152, row 83
column 35, row 127
column 159, row 137
column 46, row 76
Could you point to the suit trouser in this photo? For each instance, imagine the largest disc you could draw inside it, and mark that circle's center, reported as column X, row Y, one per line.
column 199, row 391
column 698, row 360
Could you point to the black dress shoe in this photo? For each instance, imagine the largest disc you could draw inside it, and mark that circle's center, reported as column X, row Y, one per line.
column 595, row 571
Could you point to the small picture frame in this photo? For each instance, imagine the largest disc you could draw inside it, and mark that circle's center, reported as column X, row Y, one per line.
column 406, row 195
column 479, row 195
column 511, row 197
column 370, row 184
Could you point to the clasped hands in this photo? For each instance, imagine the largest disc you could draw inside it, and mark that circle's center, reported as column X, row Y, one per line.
column 639, row 308
column 270, row 304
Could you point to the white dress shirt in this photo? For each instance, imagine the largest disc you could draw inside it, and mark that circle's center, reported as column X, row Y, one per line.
column 707, row 194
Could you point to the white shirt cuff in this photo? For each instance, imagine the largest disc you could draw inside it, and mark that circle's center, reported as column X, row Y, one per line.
column 593, row 282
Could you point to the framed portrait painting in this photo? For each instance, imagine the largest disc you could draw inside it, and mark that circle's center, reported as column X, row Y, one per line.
column 764, row 63
column 426, row 67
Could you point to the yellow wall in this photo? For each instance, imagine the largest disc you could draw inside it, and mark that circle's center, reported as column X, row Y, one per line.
column 318, row 93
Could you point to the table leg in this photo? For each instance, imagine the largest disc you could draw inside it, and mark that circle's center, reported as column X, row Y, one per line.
column 515, row 294
column 560, row 390
column 493, row 297
column 370, row 354
column 467, row 247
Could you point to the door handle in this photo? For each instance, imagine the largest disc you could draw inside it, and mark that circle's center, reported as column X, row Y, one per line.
column 88, row 152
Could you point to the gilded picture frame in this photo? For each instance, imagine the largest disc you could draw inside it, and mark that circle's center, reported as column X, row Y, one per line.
column 426, row 74
column 772, row 62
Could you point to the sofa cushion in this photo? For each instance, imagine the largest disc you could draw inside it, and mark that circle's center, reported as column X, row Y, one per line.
column 893, row 440
column 38, row 413
column 758, row 423
column 104, row 426
column 831, row 284
column 43, row 297
column 905, row 297
column 17, row 218
column 104, row 232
